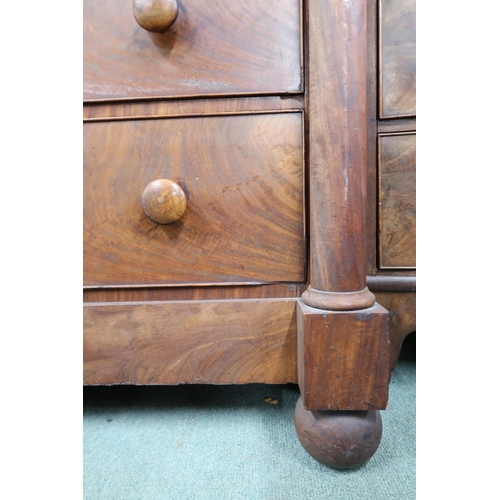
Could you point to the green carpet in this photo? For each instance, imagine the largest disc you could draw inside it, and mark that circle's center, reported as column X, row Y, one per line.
column 226, row 442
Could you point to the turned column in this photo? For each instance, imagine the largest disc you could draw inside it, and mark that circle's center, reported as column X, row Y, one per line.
column 343, row 348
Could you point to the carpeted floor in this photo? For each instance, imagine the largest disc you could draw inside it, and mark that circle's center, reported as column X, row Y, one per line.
column 226, row 442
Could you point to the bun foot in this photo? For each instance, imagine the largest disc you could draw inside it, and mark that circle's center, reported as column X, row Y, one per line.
column 339, row 439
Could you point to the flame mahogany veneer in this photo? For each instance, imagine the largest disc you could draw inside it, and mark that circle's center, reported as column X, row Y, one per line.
column 287, row 129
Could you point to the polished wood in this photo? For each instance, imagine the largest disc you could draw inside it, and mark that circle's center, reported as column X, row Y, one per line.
column 244, row 222
column 375, row 126
column 339, row 439
column 338, row 301
column 392, row 283
column 397, row 272
column 400, row 125
column 163, row 201
column 192, row 107
column 371, row 137
column 336, row 103
column 194, row 342
column 397, row 53
column 343, row 358
column 402, row 308
column 155, row 15
column 267, row 291
column 397, row 199
column 215, row 104
column 212, row 49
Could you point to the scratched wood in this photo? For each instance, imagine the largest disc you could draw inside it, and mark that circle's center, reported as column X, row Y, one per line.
column 244, row 221
column 336, row 103
column 202, row 342
column 343, row 358
column 216, row 47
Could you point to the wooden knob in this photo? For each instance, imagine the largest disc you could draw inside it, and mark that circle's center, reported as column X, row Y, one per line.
column 163, row 201
column 155, row 15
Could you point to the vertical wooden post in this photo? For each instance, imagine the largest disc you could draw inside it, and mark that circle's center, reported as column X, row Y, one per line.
column 336, row 104
column 343, row 349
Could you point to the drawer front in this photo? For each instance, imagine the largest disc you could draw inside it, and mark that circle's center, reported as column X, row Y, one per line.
column 193, row 342
column 397, row 195
column 243, row 179
column 397, row 58
column 215, row 47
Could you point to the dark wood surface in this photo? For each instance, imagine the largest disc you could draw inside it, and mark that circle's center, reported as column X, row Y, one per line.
column 244, row 222
column 342, row 334
column 338, row 439
column 213, row 48
column 336, row 103
column 397, row 53
column 191, row 107
column 402, row 307
column 393, row 283
column 377, row 126
column 343, row 358
column 399, row 125
column 197, row 342
column 267, row 291
column 397, row 197
column 161, row 325
column 235, row 132
column 371, row 136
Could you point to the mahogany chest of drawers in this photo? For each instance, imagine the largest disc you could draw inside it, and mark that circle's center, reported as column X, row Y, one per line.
column 249, row 167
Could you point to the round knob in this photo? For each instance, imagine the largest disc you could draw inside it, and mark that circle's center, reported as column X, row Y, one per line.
column 163, row 201
column 155, row 15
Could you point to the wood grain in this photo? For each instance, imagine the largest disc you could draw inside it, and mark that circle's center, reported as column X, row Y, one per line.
column 397, row 53
column 267, row 291
column 336, row 103
column 392, row 283
column 371, row 136
column 338, row 439
column 343, row 358
column 155, row 15
column 163, row 201
column 195, row 342
column 217, row 47
column 399, row 125
column 397, row 198
column 400, row 273
column 243, row 177
column 191, row 107
column 402, row 307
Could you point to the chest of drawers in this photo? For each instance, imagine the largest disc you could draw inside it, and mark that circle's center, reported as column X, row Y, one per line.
column 239, row 186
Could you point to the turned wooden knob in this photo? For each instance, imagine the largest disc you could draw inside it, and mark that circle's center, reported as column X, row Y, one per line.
column 155, row 15
column 163, row 201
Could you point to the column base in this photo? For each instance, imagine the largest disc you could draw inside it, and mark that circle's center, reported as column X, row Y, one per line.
column 338, row 301
column 338, row 439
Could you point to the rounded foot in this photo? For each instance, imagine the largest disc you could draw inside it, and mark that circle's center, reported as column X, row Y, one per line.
column 339, row 439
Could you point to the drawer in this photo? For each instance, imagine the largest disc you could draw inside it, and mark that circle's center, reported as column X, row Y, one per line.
column 397, row 201
column 212, row 48
column 192, row 342
column 397, row 46
column 243, row 179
